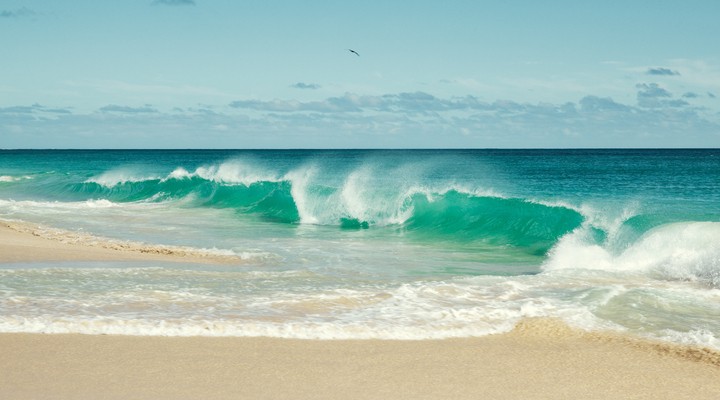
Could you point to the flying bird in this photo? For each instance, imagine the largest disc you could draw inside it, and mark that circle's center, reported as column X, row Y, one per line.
column 354, row 52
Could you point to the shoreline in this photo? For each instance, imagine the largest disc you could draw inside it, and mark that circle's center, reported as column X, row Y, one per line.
column 29, row 242
column 539, row 359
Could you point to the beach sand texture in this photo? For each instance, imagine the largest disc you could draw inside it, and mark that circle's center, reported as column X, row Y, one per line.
column 540, row 359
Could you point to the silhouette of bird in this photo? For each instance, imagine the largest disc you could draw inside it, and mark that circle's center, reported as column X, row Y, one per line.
column 354, row 52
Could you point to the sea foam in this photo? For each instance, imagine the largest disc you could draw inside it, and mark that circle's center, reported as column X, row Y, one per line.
column 9, row 178
column 234, row 172
column 120, row 176
column 684, row 251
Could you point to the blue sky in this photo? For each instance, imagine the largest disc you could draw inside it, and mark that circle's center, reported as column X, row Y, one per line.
column 277, row 74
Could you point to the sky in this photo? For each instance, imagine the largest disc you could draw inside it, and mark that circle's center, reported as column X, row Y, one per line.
column 429, row 74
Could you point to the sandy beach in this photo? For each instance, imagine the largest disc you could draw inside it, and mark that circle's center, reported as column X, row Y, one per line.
column 540, row 359
column 24, row 242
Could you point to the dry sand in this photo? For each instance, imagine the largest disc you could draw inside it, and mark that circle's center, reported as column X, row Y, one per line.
column 540, row 359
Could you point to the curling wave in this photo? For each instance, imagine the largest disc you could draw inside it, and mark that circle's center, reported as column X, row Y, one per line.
column 677, row 251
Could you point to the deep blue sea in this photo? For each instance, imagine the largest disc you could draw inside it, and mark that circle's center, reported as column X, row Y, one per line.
column 401, row 244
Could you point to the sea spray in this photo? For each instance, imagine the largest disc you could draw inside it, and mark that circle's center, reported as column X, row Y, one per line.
column 683, row 251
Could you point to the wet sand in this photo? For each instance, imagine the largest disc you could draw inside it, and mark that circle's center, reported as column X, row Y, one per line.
column 26, row 242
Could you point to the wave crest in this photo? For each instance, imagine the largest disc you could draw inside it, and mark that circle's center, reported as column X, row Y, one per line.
column 677, row 251
column 404, row 199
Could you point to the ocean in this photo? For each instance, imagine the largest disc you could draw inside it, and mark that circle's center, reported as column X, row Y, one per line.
column 358, row 244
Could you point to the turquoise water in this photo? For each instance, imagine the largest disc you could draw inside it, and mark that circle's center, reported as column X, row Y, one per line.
column 358, row 244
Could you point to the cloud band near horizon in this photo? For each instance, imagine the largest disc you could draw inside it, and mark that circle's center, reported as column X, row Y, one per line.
column 416, row 119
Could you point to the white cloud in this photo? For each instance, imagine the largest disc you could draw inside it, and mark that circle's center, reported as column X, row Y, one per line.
column 408, row 119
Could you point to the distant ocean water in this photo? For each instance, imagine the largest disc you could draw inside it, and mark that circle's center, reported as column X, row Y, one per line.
column 400, row 244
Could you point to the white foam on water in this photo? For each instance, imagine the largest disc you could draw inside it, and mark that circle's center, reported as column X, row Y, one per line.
column 38, row 207
column 11, row 206
column 296, row 304
column 10, row 178
column 101, row 203
column 681, row 251
column 365, row 196
column 234, row 172
column 120, row 176
column 694, row 337
column 300, row 180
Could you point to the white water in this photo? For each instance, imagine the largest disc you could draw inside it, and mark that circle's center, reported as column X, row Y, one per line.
column 680, row 251
column 174, row 301
column 313, row 280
